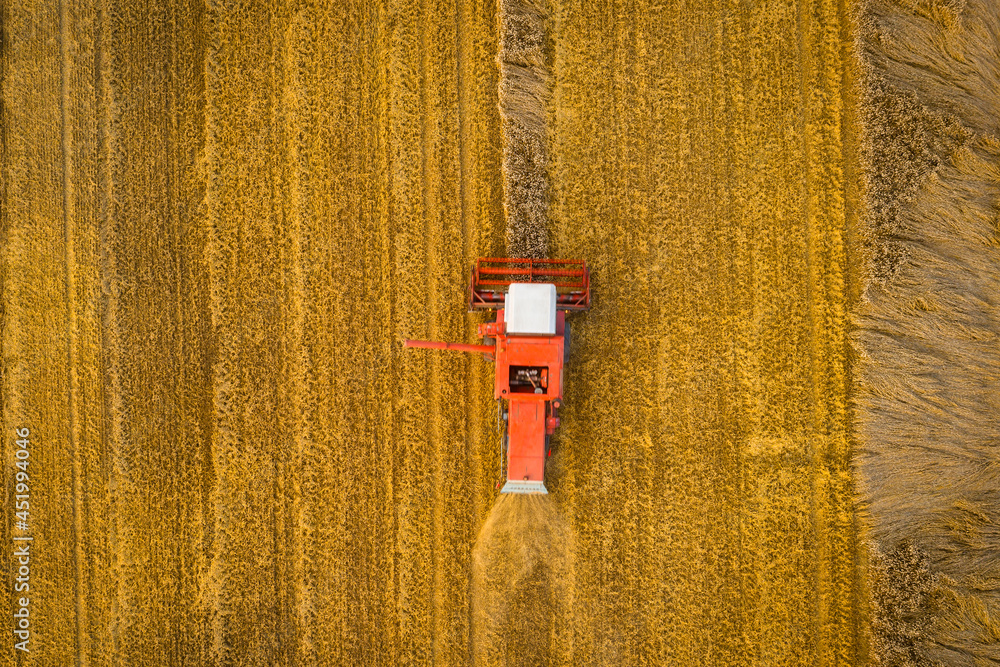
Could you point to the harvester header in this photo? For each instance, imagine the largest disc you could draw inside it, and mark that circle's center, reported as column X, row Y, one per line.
column 529, row 342
column 492, row 276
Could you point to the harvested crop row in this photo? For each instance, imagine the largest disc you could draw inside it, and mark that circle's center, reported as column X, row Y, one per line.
column 524, row 54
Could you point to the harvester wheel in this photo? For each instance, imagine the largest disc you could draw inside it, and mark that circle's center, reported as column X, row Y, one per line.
column 502, row 428
column 503, row 432
column 566, row 340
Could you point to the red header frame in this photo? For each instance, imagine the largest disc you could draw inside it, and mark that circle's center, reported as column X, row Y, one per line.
column 492, row 275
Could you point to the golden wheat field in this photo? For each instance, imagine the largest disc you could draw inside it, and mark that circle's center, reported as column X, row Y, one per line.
column 220, row 220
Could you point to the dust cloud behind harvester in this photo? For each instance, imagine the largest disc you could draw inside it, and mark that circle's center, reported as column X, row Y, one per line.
column 522, row 585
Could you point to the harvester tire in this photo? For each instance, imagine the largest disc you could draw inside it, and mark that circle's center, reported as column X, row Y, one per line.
column 566, row 339
column 503, row 433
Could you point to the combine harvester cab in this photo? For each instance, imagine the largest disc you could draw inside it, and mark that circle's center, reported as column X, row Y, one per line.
column 529, row 343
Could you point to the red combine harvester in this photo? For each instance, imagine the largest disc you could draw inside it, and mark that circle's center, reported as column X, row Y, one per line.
column 529, row 341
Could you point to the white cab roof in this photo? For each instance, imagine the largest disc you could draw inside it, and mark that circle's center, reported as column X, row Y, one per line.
column 530, row 309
